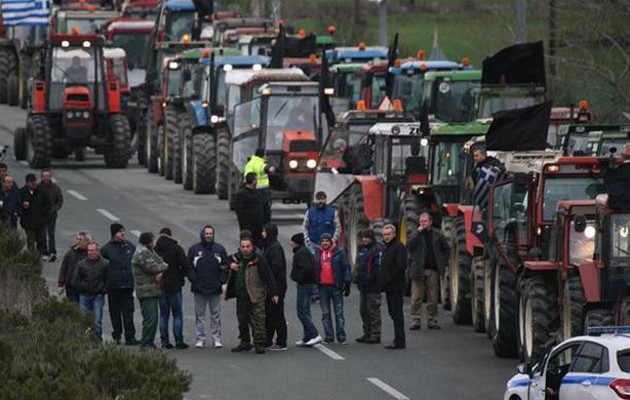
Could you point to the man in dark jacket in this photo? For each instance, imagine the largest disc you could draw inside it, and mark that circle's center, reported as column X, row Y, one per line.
column 250, row 282
column 274, row 312
column 429, row 253
column 249, row 208
column 55, row 196
column 333, row 279
column 67, row 280
column 35, row 208
column 392, row 282
column 119, row 253
column 366, row 273
column 208, row 261
column 9, row 202
column 92, row 281
column 172, row 282
column 303, row 273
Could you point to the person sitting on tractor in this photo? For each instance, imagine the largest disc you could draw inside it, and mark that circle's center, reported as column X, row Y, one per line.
column 301, row 117
column 76, row 73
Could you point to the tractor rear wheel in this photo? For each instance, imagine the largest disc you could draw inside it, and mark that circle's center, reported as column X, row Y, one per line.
column 19, row 143
column 235, row 182
column 140, row 137
column 460, row 276
column 151, row 143
column 118, row 153
column 356, row 222
column 204, row 165
column 161, row 146
column 448, row 229
column 223, row 162
column 537, row 317
column 39, row 142
column 171, row 129
column 573, row 301
column 477, row 294
column 187, row 153
column 13, row 89
column 4, row 71
column 600, row 317
column 504, row 314
column 488, row 307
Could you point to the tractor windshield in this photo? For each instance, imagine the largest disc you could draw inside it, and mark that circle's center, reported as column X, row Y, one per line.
column 493, row 104
column 196, row 86
column 174, row 78
column 409, row 89
column 337, row 143
column 135, row 45
column 447, row 171
column 286, row 113
column 348, row 86
column 85, row 25
column 620, row 240
column 556, row 189
column 378, row 90
column 451, row 101
column 577, row 144
column 581, row 244
column 179, row 24
column 74, row 67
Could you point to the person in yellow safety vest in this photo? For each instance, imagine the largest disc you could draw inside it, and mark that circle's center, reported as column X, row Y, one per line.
column 259, row 166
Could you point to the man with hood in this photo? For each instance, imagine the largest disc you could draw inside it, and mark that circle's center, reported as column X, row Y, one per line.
column 274, row 312
column 250, row 283
column 366, row 272
column 208, row 261
column 172, row 282
column 68, row 271
column 333, row 279
column 303, row 273
column 249, row 208
column 119, row 252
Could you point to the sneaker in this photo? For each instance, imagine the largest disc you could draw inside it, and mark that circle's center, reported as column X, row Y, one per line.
column 276, row 347
column 343, row 342
column 260, row 349
column 167, row 346
column 312, row 342
column 52, row 258
column 44, row 258
column 329, row 341
column 361, row 339
column 300, row 343
column 414, row 327
column 434, row 326
column 245, row 347
column 218, row 345
column 199, row 344
column 181, row 346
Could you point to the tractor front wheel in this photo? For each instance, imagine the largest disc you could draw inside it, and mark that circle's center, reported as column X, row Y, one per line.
column 39, row 142
column 205, row 164
column 118, row 154
column 19, row 143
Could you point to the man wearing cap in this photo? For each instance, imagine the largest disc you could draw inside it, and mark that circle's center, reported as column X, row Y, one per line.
column 320, row 218
column 34, row 211
column 259, row 166
column 249, row 207
column 119, row 253
column 366, row 271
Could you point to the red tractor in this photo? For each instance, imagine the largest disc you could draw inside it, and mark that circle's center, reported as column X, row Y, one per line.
column 75, row 104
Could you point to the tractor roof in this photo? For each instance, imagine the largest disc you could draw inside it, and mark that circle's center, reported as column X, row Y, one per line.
column 456, row 129
column 349, row 54
column 198, row 52
column 356, row 117
column 85, row 14
column 419, row 66
column 292, row 88
column 456, row 75
column 179, row 5
column 239, row 77
column 347, row 68
column 398, row 129
column 230, row 23
column 129, row 25
column 576, row 207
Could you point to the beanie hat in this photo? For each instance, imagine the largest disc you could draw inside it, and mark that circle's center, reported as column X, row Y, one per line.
column 115, row 228
column 325, row 236
column 298, row 239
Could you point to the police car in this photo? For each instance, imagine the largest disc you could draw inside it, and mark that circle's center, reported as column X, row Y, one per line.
column 593, row 367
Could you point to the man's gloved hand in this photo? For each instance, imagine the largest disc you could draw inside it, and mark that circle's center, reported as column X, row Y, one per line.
column 346, row 289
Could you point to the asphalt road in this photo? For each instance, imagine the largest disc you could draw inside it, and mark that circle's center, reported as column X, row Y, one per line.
column 453, row 363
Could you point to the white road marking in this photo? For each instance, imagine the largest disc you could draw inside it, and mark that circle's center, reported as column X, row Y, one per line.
column 388, row 389
column 136, row 233
column 107, row 214
column 328, row 352
column 76, row 195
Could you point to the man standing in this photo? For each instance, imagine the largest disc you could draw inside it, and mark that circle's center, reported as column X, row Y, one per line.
column 366, row 274
column 208, row 261
column 250, row 282
column 172, row 282
column 55, row 197
column 259, row 166
column 429, row 252
column 249, row 208
column 303, row 273
column 119, row 253
column 9, row 202
column 148, row 269
column 92, row 281
column 68, row 272
column 320, row 218
column 392, row 282
column 35, row 208
column 333, row 272
column 274, row 312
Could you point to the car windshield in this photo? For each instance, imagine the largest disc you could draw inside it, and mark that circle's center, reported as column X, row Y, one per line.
column 581, row 246
column 135, row 45
column 451, row 101
column 289, row 113
column 620, row 240
column 409, row 89
column 556, row 189
column 178, row 24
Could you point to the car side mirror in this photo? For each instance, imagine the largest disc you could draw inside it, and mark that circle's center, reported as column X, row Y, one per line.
column 524, row 368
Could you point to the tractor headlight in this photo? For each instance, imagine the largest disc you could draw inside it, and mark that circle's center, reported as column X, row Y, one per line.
column 590, row 231
column 69, row 115
column 293, row 164
column 424, row 142
column 311, row 164
column 86, row 115
column 214, row 119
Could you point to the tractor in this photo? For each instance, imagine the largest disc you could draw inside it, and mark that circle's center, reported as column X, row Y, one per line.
column 75, row 105
column 593, row 139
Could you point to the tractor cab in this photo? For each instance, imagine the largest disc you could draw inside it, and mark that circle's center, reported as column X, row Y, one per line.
column 134, row 37
column 222, row 27
column 116, row 65
column 140, row 9
column 593, row 139
column 449, row 96
column 495, row 98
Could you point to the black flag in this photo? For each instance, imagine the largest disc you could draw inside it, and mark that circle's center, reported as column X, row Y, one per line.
column 518, row 64
column 324, row 83
column 277, row 50
column 617, row 181
column 520, row 130
column 392, row 54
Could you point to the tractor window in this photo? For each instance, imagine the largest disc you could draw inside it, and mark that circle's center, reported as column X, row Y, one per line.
column 178, row 24
column 246, row 116
column 289, row 113
column 577, row 144
column 447, row 169
column 409, row 89
column 245, row 146
column 352, row 88
column 620, row 241
column 401, row 150
column 195, row 87
column 220, row 86
column 581, row 246
column 84, row 25
column 608, row 144
column 452, row 101
column 135, row 45
column 495, row 104
column 174, row 78
column 119, row 71
column 509, row 213
column 378, row 90
column 556, row 189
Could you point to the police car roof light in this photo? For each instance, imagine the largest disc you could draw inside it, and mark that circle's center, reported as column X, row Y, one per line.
column 610, row 330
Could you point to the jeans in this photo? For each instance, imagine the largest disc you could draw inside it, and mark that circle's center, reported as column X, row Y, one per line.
column 328, row 294
column 94, row 304
column 304, row 311
column 395, row 309
column 72, row 294
column 171, row 302
column 50, row 234
column 149, row 309
column 214, row 303
column 275, row 322
column 121, row 311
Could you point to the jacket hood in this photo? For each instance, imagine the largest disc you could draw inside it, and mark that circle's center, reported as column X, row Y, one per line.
column 272, row 232
column 202, row 238
column 164, row 242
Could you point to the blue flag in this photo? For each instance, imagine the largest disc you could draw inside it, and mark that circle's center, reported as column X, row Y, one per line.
column 25, row 12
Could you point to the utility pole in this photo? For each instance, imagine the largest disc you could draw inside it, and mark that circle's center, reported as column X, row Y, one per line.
column 521, row 21
column 275, row 4
column 382, row 22
column 553, row 37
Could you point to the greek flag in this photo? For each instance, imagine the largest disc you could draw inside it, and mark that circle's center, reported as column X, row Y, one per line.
column 486, row 176
column 25, row 12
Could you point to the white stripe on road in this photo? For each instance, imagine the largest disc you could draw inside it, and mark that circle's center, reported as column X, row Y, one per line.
column 107, row 214
column 388, row 389
column 329, row 352
column 76, row 195
column 136, row 233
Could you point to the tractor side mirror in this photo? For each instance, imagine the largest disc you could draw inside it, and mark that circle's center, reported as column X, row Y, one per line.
column 579, row 223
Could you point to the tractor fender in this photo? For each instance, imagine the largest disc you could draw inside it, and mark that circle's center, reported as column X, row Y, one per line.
column 590, row 278
column 530, row 268
column 450, row 209
column 198, row 113
column 372, row 196
column 472, row 241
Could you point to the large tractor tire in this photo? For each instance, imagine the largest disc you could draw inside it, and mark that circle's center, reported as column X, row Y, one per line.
column 151, row 144
column 19, row 144
column 573, row 301
column 4, row 71
column 459, row 265
column 537, row 317
column 171, row 129
column 204, row 165
column 223, row 162
column 504, row 338
column 161, row 158
column 118, row 154
column 140, row 137
column 599, row 317
column 488, row 298
column 177, row 151
column 13, row 89
column 356, row 222
column 187, row 153
column 477, row 294
column 448, row 229
column 39, row 141
column 236, row 179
